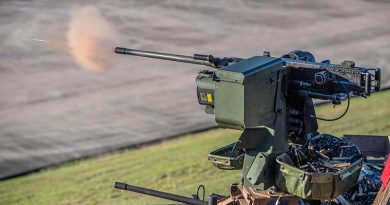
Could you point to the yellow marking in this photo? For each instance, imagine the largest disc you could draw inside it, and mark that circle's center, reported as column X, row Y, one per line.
column 209, row 98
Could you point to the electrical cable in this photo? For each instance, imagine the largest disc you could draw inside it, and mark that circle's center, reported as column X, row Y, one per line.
column 345, row 112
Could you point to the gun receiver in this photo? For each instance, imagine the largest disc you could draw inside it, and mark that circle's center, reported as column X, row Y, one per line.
column 200, row 59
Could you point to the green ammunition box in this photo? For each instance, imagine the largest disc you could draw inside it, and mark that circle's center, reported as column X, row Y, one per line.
column 316, row 186
column 224, row 158
column 233, row 92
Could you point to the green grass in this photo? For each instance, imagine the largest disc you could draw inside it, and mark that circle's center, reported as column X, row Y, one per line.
column 176, row 166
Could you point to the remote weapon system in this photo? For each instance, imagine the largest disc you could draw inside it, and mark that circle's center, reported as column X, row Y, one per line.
column 283, row 157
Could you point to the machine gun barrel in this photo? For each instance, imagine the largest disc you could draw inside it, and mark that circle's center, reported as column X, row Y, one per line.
column 196, row 59
column 159, row 194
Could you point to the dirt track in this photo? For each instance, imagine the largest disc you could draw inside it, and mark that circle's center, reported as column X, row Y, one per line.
column 51, row 111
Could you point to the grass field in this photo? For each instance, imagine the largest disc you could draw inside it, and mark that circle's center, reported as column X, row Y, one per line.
column 176, row 166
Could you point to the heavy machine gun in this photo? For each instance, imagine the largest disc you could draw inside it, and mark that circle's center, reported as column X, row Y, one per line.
column 271, row 100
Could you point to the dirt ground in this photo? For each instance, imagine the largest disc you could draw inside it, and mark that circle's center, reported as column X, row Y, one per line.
column 51, row 111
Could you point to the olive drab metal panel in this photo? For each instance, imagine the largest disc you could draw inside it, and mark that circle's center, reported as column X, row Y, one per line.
column 238, row 102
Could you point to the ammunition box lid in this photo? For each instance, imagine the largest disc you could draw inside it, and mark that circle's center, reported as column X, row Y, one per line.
column 239, row 71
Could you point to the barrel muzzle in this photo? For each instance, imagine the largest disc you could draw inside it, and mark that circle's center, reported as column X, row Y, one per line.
column 120, row 50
